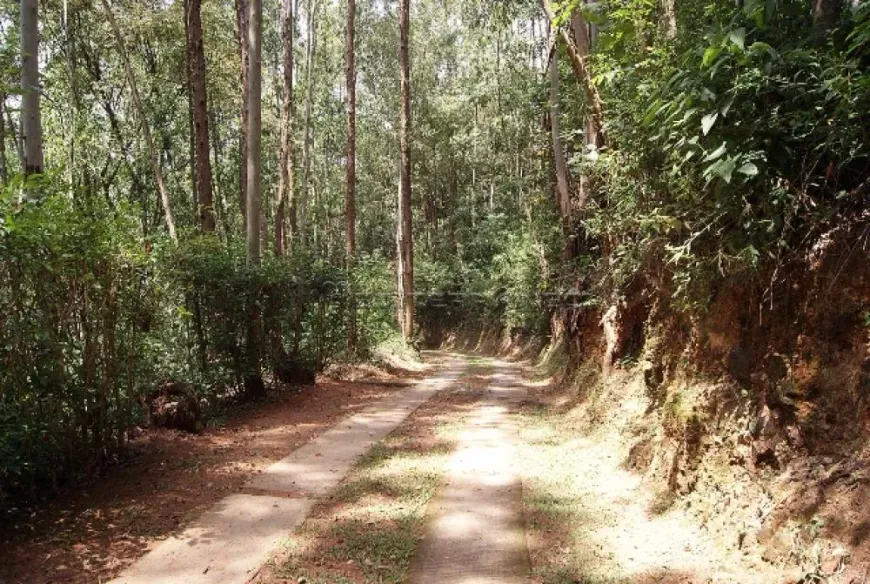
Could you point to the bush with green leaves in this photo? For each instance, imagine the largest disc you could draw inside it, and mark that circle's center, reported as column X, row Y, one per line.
column 730, row 145
column 93, row 320
column 500, row 279
column 75, row 307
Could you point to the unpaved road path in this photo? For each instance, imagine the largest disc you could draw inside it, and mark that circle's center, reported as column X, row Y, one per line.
column 527, row 496
column 230, row 542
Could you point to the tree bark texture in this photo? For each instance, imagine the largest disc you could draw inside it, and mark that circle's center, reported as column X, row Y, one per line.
column 244, row 60
column 559, row 163
column 31, row 125
column 255, row 35
column 286, row 151
column 196, row 58
column 350, row 187
column 405, row 238
column 302, row 208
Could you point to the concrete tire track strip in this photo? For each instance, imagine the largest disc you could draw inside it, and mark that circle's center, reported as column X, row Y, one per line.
column 475, row 530
column 228, row 543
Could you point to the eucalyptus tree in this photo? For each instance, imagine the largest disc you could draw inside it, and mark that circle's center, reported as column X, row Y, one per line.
column 31, row 124
column 302, row 218
column 286, row 153
column 202, row 144
column 254, row 128
column 404, row 224
column 559, row 164
column 253, row 380
column 242, row 16
column 350, row 186
column 350, row 97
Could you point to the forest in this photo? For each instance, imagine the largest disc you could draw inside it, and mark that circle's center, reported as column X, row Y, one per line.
column 209, row 202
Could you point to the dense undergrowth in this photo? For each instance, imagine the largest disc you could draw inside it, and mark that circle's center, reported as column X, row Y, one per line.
column 93, row 320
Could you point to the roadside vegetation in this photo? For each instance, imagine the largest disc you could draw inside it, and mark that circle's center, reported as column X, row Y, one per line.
column 204, row 202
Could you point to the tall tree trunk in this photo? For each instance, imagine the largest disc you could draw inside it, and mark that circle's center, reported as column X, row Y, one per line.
column 253, row 381
column 302, row 210
column 4, row 171
column 582, row 38
column 584, row 33
column 350, row 192
column 244, row 59
column 285, row 164
column 146, row 128
column 404, row 236
column 191, row 133
column 31, row 127
column 350, row 75
column 219, row 193
column 196, row 58
column 561, row 167
column 255, row 31
column 669, row 17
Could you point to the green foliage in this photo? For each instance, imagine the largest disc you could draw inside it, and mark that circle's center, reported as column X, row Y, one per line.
column 93, row 320
column 731, row 143
column 71, row 342
column 501, row 279
column 732, row 140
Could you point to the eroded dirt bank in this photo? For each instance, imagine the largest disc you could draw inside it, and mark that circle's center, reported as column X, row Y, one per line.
column 602, row 508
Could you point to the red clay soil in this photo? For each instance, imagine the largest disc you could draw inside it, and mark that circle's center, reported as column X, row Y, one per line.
column 91, row 533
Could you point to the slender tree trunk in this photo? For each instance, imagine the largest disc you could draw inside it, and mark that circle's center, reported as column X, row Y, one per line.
column 302, row 210
column 561, row 167
column 94, row 68
column 580, row 29
column 196, row 58
column 191, row 133
column 669, row 16
column 219, row 193
column 253, row 381
column 31, row 127
column 137, row 189
column 255, row 14
column 583, row 75
column 285, row 165
column 583, row 38
column 404, row 234
column 244, row 59
column 350, row 74
column 4, row 171
column 146, row 129
column 350, row 192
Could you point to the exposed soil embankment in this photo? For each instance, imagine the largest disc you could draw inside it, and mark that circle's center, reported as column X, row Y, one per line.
column 756, row 412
